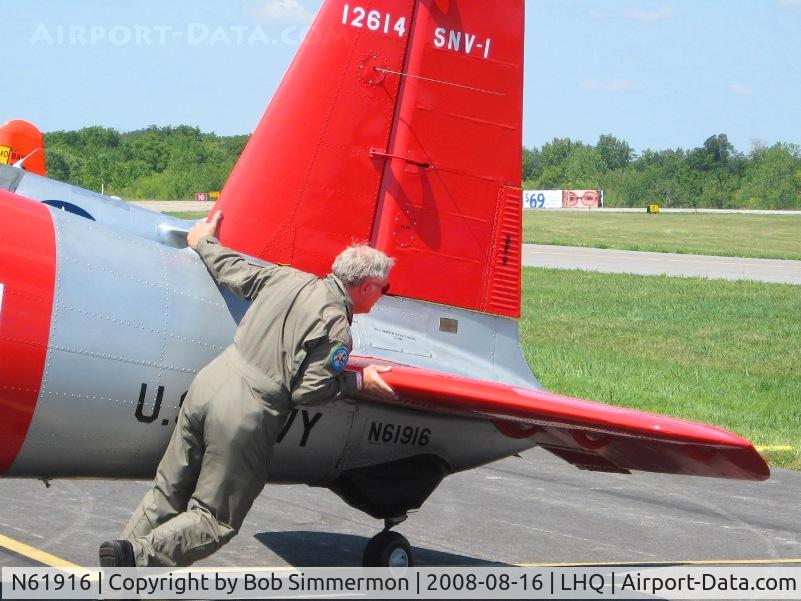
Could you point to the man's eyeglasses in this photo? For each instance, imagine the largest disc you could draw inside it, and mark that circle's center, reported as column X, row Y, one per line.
column 384, row 288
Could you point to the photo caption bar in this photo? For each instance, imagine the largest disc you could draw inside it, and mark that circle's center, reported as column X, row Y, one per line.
column 603, row 582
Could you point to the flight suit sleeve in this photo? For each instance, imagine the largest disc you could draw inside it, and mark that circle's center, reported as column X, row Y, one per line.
column 322, row 378
column 230, row 269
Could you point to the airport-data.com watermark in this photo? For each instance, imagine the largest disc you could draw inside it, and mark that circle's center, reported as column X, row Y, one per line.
column 192, row 34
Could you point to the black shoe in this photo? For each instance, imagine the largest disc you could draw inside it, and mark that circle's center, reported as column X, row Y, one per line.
column 117, row 554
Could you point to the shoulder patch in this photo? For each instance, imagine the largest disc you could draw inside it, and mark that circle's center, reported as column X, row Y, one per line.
column 338, row 358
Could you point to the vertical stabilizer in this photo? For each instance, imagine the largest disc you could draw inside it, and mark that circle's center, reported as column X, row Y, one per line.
column 399, row 123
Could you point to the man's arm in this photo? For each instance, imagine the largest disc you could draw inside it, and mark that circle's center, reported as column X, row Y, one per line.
column 322, row 377
column 227, row 267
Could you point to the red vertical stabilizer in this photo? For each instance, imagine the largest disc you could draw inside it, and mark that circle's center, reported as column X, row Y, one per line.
column 20, row 139
column 399, row 123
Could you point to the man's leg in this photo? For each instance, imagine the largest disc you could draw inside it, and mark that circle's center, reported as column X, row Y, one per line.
column 238, row 436
column 175, row 480
column 178, row 469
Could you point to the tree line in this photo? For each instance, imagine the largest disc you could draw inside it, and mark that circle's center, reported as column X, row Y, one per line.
column 159, row 163
column 713, row 175
column 175, row 162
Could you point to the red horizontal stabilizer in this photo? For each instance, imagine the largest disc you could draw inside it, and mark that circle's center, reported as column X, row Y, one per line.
column 587, row 434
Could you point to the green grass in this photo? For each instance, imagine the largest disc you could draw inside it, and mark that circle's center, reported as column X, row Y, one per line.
column 187, row 214
column 725, row 235
column 719, row 352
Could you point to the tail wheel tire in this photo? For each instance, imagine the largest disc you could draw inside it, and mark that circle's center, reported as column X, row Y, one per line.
column 388, row 550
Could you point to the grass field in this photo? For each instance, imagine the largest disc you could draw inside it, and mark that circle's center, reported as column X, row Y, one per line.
column 726, row 235
column 724, row 353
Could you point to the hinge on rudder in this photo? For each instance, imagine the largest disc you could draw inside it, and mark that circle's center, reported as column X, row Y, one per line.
column 377, row 153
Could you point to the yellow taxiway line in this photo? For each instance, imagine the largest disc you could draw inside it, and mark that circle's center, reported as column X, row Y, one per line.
column 57, row 562
column 681, row 562
column 35, row 554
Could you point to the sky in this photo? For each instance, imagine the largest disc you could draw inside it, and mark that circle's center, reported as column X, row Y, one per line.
column 658, row 74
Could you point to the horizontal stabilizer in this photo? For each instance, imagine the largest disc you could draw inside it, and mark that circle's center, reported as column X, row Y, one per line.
column 588, row 434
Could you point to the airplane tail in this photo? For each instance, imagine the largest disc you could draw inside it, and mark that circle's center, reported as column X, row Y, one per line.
column 22, row 141
column 399, row 123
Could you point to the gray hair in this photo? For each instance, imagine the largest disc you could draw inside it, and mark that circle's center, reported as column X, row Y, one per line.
column 359, row 262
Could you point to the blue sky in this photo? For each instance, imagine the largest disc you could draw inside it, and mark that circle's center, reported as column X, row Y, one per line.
column 658, row 74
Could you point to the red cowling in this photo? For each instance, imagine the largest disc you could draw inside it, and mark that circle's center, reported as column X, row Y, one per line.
column 27, row 278
column 18, row 139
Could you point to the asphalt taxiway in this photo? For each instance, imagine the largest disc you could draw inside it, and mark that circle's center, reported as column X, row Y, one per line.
column 670, row 264
column 533, row 509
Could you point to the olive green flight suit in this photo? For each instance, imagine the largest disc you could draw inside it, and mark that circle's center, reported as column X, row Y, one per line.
column 217, row 460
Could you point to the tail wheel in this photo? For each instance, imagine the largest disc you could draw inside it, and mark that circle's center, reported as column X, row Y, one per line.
column 388, row 549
